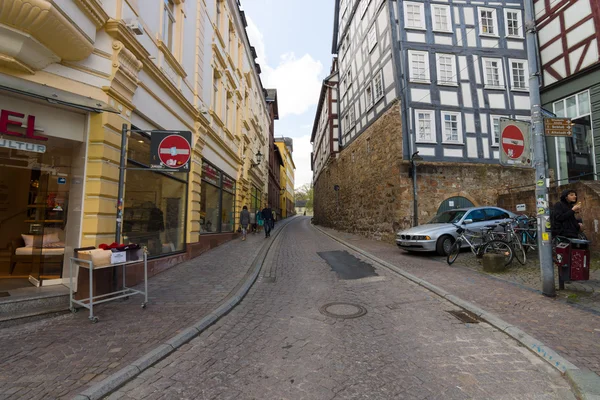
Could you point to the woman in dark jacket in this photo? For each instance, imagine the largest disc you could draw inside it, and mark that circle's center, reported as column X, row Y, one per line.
column 564, row 221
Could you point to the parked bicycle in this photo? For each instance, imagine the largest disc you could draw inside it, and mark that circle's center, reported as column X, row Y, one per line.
column 526, row 228
column 510, row 236
column 480, row 244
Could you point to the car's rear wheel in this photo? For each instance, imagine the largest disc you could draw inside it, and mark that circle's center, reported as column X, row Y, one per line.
column 444, row 245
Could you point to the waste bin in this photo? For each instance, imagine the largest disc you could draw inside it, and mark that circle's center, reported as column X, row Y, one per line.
column 572, row 260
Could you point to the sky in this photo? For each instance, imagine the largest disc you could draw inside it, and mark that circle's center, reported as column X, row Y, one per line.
column 293, row 43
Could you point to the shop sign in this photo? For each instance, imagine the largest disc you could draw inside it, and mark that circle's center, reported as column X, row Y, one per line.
column 170, row 150
column 210, row 174
column 228, row 184
column 23, row 146
column 10, row 120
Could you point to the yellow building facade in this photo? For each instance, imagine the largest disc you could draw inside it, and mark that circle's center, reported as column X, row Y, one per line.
column 285, row 146
column 74, row 77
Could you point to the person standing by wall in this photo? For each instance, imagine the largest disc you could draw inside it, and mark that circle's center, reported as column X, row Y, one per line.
column 267, row 215
column 273, row 215
column 253, row 227
column 260, row 221
column 244, row 221
column 564, row 219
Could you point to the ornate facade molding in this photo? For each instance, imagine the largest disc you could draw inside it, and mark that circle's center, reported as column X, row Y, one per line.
column 125, row 69
column 43, row 21
column 94, row 10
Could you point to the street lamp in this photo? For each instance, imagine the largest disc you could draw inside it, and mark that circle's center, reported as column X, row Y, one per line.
column 258, row 159
column 414, row 159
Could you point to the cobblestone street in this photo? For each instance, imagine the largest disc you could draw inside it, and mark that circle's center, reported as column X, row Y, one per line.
column 277, row 344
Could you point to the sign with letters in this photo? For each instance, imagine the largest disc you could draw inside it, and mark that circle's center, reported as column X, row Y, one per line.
column 23, row 146
column 12, row 120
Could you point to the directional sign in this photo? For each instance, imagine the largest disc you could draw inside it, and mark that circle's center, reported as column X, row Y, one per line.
column 171, row 150
column 558, row 127
column 515, row 147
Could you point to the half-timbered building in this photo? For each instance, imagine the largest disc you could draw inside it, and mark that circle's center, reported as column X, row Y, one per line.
column 426, row 77
column 569, row 49
column 324, row 137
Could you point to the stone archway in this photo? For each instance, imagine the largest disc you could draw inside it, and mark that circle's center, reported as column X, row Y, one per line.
column 455, row 201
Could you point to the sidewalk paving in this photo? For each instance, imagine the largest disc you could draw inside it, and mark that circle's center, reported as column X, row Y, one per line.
column 60, row 357
column 574, row 332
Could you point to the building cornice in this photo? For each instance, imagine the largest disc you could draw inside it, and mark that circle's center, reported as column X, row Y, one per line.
column 94, row 10
column 44, row 21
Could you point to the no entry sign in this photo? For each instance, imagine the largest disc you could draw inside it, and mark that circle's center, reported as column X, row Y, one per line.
column 171, row 150
column 514, row 142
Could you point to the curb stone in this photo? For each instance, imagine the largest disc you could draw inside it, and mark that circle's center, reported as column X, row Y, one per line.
column 116, row 380
column 584, row 383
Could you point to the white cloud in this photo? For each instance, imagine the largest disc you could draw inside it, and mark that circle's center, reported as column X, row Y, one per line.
column 301, row 156
column 296, row 79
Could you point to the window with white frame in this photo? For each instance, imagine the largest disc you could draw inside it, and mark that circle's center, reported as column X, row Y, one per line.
column 372, row 38
column 414, row 15
column 352, row 115
column 495, row 122
column 452, row 129
column 441, row 18
column 425, row 123
column 419, row 66
column 493, row 76
column 513, row 22
column 575, row 106
column 446, row 69
column 349, row 76
column 518, row 74
column 169, row 24
column 378, row 86
column 487, row 21
column 368, row 96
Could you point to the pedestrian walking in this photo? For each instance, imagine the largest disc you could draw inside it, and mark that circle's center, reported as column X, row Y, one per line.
column 260, row 221
column 564, row 219
column 274, row 215
column 253, row 222
column 267, row 215
column 244, row 221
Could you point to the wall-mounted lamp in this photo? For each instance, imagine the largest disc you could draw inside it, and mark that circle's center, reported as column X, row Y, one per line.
column 258, row 159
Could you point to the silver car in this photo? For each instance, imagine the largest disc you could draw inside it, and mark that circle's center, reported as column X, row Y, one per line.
column 439, row 234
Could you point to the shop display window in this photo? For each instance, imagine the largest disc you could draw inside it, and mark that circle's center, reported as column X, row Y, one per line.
column 217, row 204
column 155, row 202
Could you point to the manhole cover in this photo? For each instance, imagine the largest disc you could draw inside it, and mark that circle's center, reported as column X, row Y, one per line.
column 4, row 294
column 343, row 310
column 465, row 316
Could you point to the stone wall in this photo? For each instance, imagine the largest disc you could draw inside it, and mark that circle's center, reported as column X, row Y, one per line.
column 588, row 192
column 375, row 196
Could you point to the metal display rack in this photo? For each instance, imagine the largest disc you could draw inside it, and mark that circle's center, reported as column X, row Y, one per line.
column 93, row 300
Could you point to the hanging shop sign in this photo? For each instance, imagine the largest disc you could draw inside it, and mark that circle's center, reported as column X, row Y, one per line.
column 10, row 120
column 171, row 151
column 23, row 146
column 515, row 147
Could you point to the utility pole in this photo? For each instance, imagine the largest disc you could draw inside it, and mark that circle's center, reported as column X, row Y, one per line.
column 542, row 180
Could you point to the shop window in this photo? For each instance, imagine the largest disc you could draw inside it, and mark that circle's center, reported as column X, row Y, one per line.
column 217, row 204
column 155, row 203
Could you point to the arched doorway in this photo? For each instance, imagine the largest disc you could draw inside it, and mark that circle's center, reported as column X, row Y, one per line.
column 454, row 202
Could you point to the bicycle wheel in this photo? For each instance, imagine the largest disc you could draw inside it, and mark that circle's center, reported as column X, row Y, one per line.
column 454, row 251
column 499, row 247
column 519, row 252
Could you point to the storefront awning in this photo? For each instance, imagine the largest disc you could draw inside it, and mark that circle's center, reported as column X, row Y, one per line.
column 52, row 95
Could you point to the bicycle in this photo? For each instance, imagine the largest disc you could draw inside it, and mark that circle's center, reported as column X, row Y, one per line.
column 511, row 237
column 527, row 230
column 487, row 246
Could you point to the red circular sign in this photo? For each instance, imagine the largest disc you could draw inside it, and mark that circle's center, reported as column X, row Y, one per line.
column 513, row 142
column 174, row 151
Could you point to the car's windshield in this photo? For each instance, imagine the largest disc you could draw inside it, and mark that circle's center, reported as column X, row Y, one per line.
column 447, row 217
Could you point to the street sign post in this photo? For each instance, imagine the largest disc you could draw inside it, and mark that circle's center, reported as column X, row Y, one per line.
column 558, row 127
column 171, row 151
column 515, row 143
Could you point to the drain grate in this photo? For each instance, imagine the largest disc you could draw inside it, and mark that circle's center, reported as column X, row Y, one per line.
column 343, row 310
column 465, row 316
column 4, row 294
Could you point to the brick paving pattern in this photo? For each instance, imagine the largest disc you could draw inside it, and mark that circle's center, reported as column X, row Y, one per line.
column 277, row 345
column 572, row 331
column 60, row 357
